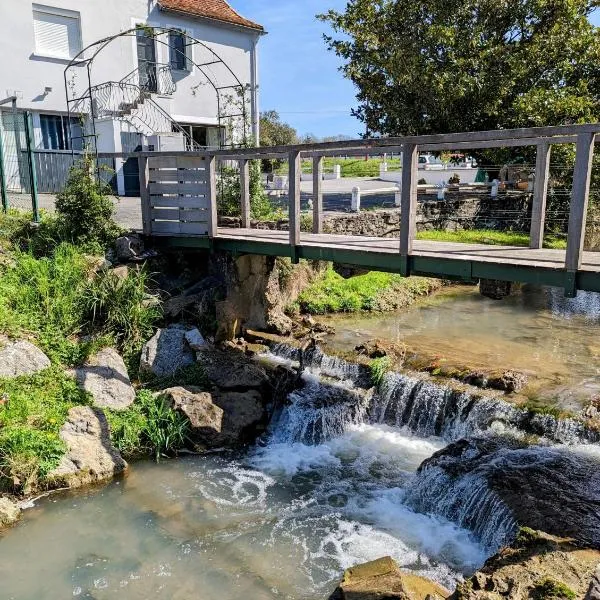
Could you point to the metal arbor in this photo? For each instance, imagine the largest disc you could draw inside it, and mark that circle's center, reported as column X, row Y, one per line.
column 119, row 98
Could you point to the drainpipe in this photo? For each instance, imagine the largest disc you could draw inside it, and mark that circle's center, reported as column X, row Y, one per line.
column 254, row 91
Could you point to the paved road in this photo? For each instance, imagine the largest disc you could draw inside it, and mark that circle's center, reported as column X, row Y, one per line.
column 337, row 195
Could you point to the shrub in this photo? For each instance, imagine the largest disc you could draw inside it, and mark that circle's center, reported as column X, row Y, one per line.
column 379, row 367
column 149, row 426
column 34, row 409
column 84, row 208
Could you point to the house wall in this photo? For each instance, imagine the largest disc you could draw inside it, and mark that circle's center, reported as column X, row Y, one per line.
column 194, row 102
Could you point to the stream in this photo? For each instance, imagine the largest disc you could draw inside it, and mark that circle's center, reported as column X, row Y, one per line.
column 333, row 483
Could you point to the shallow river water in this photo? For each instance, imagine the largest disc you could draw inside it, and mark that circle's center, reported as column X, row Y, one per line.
column 282, row 521
column 556, row 341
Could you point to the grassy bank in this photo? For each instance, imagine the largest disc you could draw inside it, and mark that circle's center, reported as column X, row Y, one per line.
column 373, row 291
column 490, row 237
column 350, row 167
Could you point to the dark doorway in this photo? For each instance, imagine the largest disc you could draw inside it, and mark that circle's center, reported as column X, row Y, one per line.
column 131, row 142
column 146, row 53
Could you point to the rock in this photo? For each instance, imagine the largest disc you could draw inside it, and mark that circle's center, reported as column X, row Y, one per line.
column 105, row 377
column 166, row 352
column 494, row 289
column 381, row 348
column 195, row 340
column 594, row 589
column 255, row 349
column 243, row 416
column 232, row 371
column 129, row 247
column 22, row 358
column 90, row 455
column 120, row 273
column 9, row 512
column 220, row 418
column 382, row 579
column 532, row 567
column 542, row 488
column 205, row 418
column 508, row 381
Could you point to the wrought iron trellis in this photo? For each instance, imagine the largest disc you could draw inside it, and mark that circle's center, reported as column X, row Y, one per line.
column 78, row 105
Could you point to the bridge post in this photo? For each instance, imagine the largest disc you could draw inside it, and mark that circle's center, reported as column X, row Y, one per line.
column 245, row 191
column 145, row 195
column 540, row 191
column 317, row 226
column 213, row 218
column 295, row 169
column 578, row 211
column 408, row 205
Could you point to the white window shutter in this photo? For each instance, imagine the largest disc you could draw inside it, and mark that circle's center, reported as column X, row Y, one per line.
column 56, row 35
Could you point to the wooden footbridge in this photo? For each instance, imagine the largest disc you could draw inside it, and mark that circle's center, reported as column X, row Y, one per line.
column 179, row 192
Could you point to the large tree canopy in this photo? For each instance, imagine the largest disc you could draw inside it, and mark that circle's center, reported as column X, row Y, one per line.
column 437, row 66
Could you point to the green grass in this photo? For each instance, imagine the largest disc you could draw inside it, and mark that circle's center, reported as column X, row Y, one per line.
column 351, row 167
column 550, row 589
column 32, row 412
column 379, row 367
column 374, row 291
column 149, row 426
column 488, row 236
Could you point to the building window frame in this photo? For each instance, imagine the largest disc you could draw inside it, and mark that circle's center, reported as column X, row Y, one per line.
column 178, row 63
column 54, row 130
column 75, row 44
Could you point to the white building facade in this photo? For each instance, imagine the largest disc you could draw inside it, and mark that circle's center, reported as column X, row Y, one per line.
column 173, row 82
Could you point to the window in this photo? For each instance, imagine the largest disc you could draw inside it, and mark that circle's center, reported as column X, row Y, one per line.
column 180, row 51
column 57, row 32
column 203, row 136
column 55, row 132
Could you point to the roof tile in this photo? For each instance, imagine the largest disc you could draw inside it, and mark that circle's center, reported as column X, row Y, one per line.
column 211, row 9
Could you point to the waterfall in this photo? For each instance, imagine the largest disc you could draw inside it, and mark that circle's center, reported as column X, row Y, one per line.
column 467, row 501
column 423, row 406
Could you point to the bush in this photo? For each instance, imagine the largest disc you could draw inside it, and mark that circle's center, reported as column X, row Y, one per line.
column 149, row 426
column 33, row 410
column 379, row 367
column 84, row 208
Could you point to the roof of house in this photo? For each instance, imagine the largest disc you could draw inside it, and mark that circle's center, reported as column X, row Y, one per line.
column 218, row 10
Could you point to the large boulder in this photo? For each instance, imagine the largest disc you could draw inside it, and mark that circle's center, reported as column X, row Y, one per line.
column 383, row 579
column 232, row 371
column 9, row 512
column 205, row 418
column 21, row 358
column 536, row 565
column 220, row 418
column 90, row 455
column 167, row 352
column 105, row 377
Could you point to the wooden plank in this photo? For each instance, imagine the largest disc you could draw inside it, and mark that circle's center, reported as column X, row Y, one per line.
column 317, row 226
column 579, row 200
column 376, row 150
column 162, row 162
column 191, row 189
column 177, row 214
column 192, row 163
column 213, row 217
column 295, row 171
column 176, row 227
column 145, row 195
column 179, row 202
column 245, row 191
column 180, row 176
column 408, row 204
column 503, row 143
column 540, row 192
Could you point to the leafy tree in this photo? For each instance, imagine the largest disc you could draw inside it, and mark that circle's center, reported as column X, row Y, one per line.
column 437, row 66
column 273, row 132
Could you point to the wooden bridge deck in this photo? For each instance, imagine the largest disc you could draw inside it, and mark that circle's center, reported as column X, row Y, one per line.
column 439, row 259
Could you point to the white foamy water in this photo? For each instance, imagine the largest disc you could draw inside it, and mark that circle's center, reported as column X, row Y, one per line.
column 281, row 521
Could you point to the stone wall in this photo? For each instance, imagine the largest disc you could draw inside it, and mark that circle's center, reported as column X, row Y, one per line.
column 511, row 211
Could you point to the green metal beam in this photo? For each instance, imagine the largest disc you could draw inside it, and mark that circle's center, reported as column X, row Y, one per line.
column 443, row 268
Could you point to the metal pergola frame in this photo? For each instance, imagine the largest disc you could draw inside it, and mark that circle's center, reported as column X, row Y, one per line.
column 85, row 59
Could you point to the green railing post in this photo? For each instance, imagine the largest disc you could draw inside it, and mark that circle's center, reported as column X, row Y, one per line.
column 31, row 163
column 3, row 190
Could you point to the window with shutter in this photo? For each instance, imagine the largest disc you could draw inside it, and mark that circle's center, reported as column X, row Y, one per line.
column 57, row 34
column 180, row 51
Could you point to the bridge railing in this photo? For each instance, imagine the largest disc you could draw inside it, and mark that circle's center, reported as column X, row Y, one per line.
column 173, row 196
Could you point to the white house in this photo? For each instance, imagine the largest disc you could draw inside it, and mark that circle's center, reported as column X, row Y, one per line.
column 173, row 82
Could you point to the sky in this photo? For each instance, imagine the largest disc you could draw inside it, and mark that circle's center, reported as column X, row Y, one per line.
column 299, row 77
